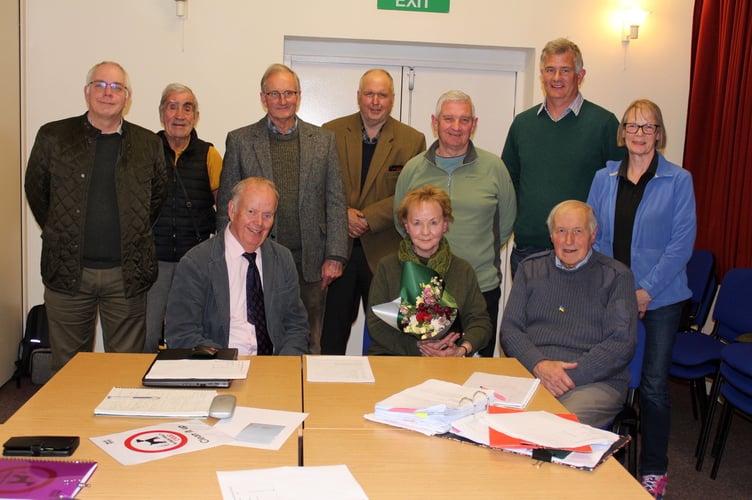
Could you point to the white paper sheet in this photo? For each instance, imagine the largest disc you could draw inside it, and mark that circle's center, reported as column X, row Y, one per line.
column 548, row 430
column 330, row 482
column 208, row 369
column 260, row 428
column 339, row 369
column 509, row 392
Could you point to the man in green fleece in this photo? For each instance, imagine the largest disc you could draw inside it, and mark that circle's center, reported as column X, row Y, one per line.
column 554, row 148
column 479, row 187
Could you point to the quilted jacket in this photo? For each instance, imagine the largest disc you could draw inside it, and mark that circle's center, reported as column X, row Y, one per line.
column 57, row 185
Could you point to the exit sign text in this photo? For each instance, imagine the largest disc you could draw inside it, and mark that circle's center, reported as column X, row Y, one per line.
column 415, row 5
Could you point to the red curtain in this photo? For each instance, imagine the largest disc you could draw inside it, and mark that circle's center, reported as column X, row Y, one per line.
column 718, row 148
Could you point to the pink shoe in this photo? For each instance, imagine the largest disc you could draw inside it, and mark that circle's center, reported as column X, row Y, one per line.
column 655, row 484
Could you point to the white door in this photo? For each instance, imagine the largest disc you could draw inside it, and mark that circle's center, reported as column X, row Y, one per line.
column 329, row 82
column 329, row 91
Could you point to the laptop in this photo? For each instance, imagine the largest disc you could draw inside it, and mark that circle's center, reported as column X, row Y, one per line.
column 199, row 354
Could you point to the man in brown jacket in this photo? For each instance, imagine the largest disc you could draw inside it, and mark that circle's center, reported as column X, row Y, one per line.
column 372, row 148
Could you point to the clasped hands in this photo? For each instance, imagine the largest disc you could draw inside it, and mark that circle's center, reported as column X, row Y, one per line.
column 446, row 347
column 553, row 375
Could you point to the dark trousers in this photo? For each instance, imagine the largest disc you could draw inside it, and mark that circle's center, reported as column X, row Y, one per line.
column 492, row 306
column 342, row 302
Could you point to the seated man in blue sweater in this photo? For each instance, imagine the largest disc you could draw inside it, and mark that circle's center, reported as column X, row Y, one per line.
column 571, row 318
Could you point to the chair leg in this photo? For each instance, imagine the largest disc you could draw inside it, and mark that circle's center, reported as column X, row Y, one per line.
column 632, row 458
column 702, row 398
column 702, row 443
column 693, row 397
column 724, row 426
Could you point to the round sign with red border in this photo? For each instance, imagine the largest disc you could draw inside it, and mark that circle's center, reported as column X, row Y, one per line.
column 156, row 441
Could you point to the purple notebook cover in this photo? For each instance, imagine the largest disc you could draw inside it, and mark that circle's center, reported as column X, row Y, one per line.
column 33, row 478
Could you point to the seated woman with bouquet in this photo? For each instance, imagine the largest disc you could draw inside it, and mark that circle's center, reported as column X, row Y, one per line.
column 424, row 301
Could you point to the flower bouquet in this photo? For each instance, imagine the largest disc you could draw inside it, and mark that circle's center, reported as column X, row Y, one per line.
column 425, row 309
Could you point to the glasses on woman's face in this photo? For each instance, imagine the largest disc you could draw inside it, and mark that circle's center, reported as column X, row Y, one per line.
column 647, row 128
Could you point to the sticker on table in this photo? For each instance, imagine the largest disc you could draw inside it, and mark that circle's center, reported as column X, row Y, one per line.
column 260, row 433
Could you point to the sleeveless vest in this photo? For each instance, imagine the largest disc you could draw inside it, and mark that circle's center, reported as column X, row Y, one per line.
column 188, row 215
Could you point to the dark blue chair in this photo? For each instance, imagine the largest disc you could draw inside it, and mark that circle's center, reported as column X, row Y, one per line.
column 733, row 317
column 734, row 383
column 627, row 420
column 695, row 356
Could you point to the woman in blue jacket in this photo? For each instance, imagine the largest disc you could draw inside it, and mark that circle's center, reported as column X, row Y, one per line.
column 645, row 207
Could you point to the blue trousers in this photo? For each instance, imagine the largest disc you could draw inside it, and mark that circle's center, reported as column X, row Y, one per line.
column 655, row 403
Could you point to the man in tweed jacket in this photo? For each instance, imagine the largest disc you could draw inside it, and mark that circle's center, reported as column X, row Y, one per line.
column 301, row 159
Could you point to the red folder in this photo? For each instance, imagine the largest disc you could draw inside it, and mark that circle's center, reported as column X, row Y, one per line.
column 500, row 440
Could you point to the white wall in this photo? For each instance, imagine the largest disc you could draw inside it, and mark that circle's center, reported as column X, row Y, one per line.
column 223, row 46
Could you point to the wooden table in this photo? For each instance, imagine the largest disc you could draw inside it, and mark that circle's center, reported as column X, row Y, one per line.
column 65, row 406
column 387, row 462
column 396, row 463
column 342, row 406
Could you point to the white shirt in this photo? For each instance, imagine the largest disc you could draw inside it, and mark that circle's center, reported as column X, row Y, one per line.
column 242, row 333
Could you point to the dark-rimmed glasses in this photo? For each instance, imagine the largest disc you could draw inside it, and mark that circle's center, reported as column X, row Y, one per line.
column 647, row 128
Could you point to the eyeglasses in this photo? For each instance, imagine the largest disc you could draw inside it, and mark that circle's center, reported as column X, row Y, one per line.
column 276, row 94
column 115, row 87
column 647, row 129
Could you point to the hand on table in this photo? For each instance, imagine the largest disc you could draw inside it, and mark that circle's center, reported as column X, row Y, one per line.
column 553, row 375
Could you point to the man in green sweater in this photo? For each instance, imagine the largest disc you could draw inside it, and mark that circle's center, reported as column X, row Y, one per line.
column 553, row 149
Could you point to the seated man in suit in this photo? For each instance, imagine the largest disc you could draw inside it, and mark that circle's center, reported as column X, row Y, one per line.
column 571, row 318
column 240, row 289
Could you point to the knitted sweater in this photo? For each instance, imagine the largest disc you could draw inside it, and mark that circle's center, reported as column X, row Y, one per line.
column 552, row 161
column 588, row 316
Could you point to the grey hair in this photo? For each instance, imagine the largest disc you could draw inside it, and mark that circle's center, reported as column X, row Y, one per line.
column 278, row 68
column 127, row 79
column 237, row 189
column 177, row 88
column 577, row 204
column 454, row 95
column 560, row 46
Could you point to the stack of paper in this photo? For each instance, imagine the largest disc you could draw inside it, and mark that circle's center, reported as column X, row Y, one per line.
column 509, row 392
column 563, row 439
column 430, row 407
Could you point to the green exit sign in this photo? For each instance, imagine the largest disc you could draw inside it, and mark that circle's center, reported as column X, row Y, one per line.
column 415, row 5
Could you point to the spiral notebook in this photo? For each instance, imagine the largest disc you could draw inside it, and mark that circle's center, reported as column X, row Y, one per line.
column 34, row 478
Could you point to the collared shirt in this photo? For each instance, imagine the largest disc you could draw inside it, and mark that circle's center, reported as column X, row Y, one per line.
column 574, row 107
column 274, row 128
column 242, row 333
column 576, row 266
column 366, row 139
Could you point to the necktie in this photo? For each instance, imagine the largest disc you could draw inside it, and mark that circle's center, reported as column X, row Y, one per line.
column 254, row 296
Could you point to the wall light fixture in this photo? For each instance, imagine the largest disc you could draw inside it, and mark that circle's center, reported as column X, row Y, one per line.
column 632, row 19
